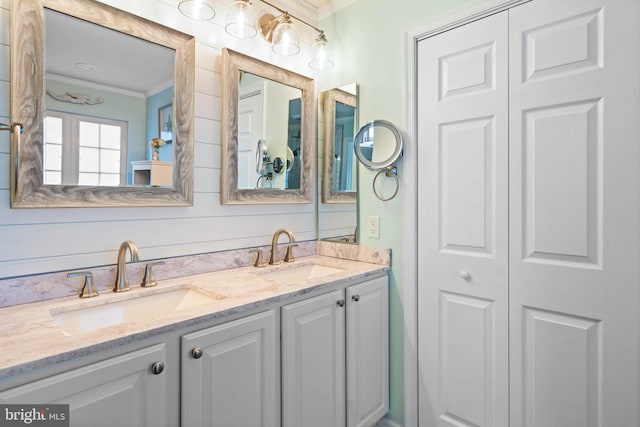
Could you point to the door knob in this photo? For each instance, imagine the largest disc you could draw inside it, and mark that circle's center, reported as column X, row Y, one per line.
column 465, row 275
column 356, row 298
column 196, row 353
column 340, row 303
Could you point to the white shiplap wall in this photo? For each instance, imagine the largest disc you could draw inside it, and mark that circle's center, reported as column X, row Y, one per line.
column 42, row 240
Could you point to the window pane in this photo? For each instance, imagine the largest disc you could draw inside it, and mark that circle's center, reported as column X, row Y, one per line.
column 110, row 161
column 53, row 130
column 88, row 179
column 89, row 159
column 109, row 179
column 52, row 178
column 89, row 134
column 53, row 157
column 110, row 137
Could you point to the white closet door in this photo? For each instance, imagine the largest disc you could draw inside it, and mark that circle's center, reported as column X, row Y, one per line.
column 462, row 225
column 250, row 114
column 574, row 233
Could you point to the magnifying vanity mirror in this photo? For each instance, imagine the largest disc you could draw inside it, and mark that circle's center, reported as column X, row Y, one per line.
column 268, row 133
column 340, row 121
column 106, row 99
column 378, row 145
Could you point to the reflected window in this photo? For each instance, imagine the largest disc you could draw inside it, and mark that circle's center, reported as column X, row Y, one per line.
column 82, row 150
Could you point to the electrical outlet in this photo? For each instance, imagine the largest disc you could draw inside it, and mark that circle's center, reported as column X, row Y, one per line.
column 373, row 227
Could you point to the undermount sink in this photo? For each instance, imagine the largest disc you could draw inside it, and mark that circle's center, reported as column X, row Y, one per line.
column 118, row 311
column 296, row 273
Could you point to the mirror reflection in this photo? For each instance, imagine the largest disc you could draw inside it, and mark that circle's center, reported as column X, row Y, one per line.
column 269, row 130
column 268, row 133
column 87, row 103
column 340, row 115
column 337, row 207
column 378, row 144
column 108, row 118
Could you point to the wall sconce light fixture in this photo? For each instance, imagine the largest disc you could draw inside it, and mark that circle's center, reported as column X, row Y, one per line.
column 201, row 10
column 241, row 20
column 277, row 30
column 280, row 33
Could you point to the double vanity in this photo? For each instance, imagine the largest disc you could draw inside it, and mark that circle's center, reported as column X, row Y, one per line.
column 303, row 340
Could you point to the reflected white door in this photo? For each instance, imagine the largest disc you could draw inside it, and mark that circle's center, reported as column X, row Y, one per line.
column 462, row 226
column 249, row 133
column 574, row 214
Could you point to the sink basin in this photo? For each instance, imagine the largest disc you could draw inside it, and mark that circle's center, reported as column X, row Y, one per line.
column 110, row 313
column 296, row 273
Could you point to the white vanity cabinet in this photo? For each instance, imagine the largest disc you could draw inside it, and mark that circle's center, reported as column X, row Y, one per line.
column 305, row 359
column 336, row 344
column 229, row 374
column 127, row 390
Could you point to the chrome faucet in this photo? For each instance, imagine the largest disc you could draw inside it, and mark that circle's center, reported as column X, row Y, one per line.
column 122, row 282
column 275, row 257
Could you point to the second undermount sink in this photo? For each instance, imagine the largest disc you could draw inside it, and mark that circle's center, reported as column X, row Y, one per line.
column 118, row 311
column 296, row 273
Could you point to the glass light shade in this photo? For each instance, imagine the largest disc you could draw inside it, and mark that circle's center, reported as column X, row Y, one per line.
column 321, row 59
column 241, row 20
column 201, row 10
column 285, row 40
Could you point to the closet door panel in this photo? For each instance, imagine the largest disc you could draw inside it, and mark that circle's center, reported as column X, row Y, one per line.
column 573, row 209
column 462, row 227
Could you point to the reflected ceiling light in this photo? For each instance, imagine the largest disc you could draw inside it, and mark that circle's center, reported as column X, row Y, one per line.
column 85, row 67
column 241, row 20
column 201, row 10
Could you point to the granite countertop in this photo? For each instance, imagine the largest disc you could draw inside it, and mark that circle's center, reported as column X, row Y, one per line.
column 30, row 338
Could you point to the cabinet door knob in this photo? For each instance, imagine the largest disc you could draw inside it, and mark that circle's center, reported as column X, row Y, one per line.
column 196, row 353
column 356, row 298
column 340, row 303
column 465, row 275
column 157, row 368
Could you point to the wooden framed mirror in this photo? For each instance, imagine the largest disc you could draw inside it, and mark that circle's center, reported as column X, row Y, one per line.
column 33, row 27
column 340, row 124
column 267, row 105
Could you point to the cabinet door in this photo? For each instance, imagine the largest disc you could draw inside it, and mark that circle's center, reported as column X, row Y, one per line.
column 313, row 358
column 367, row 352
column 232, row 382
column 121, row 391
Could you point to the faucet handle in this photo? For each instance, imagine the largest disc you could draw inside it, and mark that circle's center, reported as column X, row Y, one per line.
column 259, row 258
column 288, row 256
column 88, row 286
column 149, row 279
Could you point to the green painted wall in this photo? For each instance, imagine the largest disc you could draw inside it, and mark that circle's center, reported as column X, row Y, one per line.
column 367, row 39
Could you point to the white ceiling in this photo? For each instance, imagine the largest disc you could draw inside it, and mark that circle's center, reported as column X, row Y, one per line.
column 123, row 62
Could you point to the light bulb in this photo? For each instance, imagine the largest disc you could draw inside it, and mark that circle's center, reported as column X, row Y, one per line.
column 285, row 38
column 201, row 10
column 321, row 59
column 241, row 20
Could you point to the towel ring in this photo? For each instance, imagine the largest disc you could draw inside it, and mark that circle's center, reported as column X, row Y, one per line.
column 391, row 172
